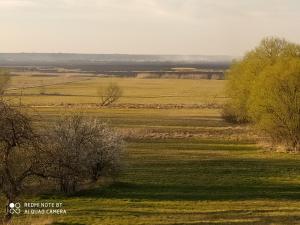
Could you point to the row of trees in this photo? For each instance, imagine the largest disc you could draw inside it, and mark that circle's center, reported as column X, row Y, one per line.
column 264, row 89
column 75, row 151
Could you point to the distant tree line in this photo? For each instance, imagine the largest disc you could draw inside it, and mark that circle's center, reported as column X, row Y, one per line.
column 264, row 89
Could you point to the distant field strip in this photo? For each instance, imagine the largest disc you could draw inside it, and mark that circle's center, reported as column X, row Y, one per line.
column 46, row 85
column 136, row 91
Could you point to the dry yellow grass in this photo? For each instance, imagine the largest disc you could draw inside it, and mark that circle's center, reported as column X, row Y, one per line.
column 138, row 91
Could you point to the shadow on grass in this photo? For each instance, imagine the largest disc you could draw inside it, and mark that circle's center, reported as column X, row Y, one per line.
column 218, row 179
column 192, row 193
column 285, row 220
column 228, row 179
column 63, row 223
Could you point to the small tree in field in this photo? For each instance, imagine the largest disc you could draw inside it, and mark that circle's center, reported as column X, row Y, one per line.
column 18, row 153
column 80, row 150
column 110, row 94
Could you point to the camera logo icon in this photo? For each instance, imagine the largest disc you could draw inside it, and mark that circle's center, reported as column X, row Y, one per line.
column 14, row 208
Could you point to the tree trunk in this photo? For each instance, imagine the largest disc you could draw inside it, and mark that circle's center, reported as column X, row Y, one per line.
column 296, row 146
column 68, row 186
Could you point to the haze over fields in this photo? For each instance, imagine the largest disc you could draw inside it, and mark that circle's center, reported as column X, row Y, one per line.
column 40, row 58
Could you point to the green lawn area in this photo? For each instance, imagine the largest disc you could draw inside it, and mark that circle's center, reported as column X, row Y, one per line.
column 192, row 182
column 189, row 180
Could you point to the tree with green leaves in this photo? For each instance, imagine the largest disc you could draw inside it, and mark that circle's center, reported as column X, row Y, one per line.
column 264, row 89
column 243, row 74
column 274, row 105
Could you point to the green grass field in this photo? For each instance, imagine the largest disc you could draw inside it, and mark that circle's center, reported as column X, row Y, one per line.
column 197, row 174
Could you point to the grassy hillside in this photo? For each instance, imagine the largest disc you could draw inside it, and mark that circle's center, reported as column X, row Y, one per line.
column 182, row 166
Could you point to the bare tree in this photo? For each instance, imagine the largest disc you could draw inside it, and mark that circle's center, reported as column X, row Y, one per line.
column 110, row 94
column 80, row 150
column 18, row 151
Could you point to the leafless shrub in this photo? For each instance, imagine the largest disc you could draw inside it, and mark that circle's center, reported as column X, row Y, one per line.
column 110, row 94
column 76, row 151
column 80, row 150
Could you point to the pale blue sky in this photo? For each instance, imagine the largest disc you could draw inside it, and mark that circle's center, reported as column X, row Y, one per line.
column 228, row 27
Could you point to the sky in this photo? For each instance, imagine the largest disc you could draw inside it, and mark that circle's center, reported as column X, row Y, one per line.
column 188, row 27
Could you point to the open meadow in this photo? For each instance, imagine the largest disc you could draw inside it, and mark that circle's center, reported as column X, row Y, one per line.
column 75, row 89
column 183, row 163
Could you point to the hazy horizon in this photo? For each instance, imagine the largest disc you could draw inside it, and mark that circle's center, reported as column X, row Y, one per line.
column 145, row 27
column 133, row 54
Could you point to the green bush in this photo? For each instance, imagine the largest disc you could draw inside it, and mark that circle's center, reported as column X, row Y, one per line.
column 274, row 105
column 264, row 88
column 244, row 73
